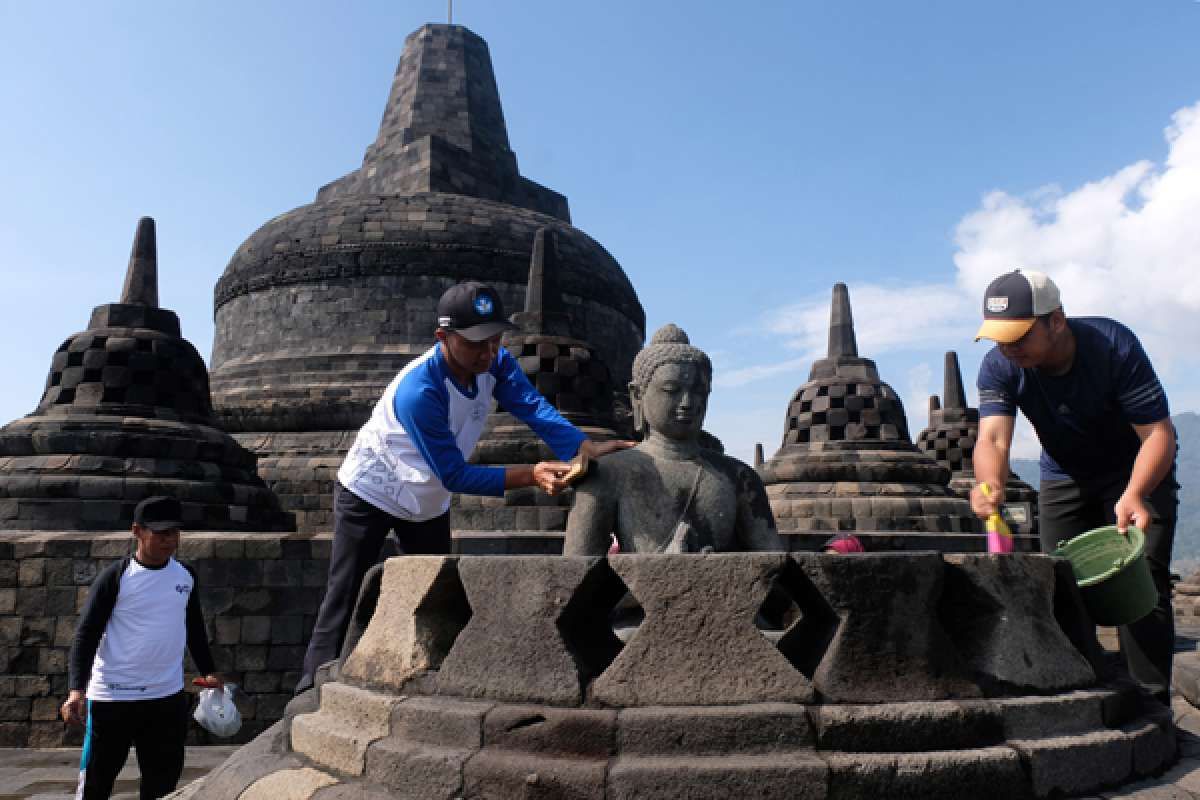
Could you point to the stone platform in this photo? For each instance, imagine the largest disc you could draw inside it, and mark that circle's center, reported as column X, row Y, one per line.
column 882, row 675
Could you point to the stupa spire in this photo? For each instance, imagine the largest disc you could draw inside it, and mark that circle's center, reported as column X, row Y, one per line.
column 842, row 343
column 952, row 390
column 544, row 313
column 141, row 276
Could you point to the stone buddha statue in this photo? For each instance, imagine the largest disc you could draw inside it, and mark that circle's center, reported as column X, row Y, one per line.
column 670, row 494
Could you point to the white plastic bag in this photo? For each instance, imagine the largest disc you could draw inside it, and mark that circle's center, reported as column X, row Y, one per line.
column 216, row 712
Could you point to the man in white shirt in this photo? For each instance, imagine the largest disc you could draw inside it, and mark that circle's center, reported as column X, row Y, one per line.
column 126, row 664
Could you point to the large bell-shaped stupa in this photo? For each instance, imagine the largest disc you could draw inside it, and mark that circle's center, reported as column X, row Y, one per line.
column 126, row 414
column 847, row 462
column 323, row 305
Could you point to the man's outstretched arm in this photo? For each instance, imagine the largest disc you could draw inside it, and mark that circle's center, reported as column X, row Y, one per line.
column 1152, row 464
column 991, row 462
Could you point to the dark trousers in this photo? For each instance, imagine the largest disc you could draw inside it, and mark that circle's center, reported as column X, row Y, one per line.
column 359, row 529
column 1068, row 508
column 155, row 728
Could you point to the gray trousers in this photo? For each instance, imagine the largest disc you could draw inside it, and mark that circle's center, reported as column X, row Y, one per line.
column 1067, row 508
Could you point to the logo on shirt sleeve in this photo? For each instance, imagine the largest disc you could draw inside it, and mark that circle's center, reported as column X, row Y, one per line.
column 183, row 588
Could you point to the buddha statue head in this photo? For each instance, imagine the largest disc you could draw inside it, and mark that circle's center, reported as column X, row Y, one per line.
column 671, row 383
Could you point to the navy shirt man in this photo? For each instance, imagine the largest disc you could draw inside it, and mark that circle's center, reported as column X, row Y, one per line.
column 126, row 664
column 412, row 453
column 1108, row 445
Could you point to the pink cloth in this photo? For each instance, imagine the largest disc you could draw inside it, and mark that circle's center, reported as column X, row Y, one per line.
column 845, row 544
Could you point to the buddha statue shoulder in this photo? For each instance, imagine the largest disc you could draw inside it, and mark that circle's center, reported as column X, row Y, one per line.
column 670, row 493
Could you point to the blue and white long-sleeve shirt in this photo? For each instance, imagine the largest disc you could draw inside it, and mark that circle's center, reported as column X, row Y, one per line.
column 412, row 453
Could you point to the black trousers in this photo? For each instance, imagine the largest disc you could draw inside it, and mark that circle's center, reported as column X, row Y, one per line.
column 359, row 529
column 1067, row 508
column 155, row 728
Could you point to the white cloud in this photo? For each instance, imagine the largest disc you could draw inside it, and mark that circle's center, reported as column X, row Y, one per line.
column 916, row 398
column 887, row 318
column 1125, row 246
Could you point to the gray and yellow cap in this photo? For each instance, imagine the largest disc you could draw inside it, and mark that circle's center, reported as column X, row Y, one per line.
column 1013, row 302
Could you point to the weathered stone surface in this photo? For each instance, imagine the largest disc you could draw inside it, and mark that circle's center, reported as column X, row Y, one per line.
column 497, row 774
column 265, row 755
column 417, row 771
column 882, row 651
column 707, row 730
column 570, row 733
column 1010, row 640
column 1058, row 715
column 421, row 609
column 992, row 772
column 907, row 727
column 349, row 719
column 440, row 721
column 521, row 617
column 1076, row 764
column 699, row 610
column 292, row 784
column 798, row 775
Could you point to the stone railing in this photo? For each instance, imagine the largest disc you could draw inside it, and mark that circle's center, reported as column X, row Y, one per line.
column 711, row 676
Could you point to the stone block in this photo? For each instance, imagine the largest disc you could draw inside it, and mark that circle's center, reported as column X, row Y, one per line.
column 497, row 774
column 15, row 709
column 60, row 572
column 412, row 771
column 1077, row 764
column 907, row 727
column 999, row 613
column 60, row 601
column 338, row 734
column 31, row 686
column 286, row 630
column 8, row 601
column 250, row 657
column 52, row 661
column 229, row 548
column 879, row 651
column 30, row 601
column 441, row 721
column 525, row 628
column 8, row 573
column 112, row 547
column 713, row 730
column 256, row 630
column 227, row 630
column 260, row 682
column 992, row 773
column 31, row 572
column 1056, row 715
column 288, row 784
column 559, row 732
column 44, row 709
column 420, row 611
column 265, row 547
column 699, row 609
column 797, row 775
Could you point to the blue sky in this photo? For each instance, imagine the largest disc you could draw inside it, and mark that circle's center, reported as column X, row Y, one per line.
column 736, row 159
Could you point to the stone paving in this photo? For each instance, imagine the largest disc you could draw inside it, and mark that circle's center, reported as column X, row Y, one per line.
column 51, row 774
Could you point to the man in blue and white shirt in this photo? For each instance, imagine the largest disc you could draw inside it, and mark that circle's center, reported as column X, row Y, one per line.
column 1108, row 445
column 126, row 664
column 411, row 455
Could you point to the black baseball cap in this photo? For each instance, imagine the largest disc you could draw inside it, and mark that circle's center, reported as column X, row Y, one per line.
column 158, row 513
column 1013, row 302
column 473, row 310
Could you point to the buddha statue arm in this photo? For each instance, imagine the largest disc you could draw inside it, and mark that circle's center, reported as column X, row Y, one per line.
column 755, row 522
column 591, row 520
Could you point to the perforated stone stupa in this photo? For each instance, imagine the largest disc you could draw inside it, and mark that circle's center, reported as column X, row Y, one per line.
column 126, row 414
column 950, row 439
column 847, row 462
column 901, row 675
column 323, row 305
column 570, row 374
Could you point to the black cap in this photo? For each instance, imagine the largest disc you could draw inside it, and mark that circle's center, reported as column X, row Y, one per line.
column 158, row 513
column 472, row 310
column 1013, row 302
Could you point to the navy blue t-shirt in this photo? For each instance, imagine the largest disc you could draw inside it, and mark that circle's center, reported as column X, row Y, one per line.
column 1082, row 418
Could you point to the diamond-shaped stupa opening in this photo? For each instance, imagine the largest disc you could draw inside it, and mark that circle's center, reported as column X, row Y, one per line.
column 588, row 621
column 443, row 614
column 802, row 621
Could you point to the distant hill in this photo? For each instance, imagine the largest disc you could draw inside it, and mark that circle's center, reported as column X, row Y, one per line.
column 1185, row 558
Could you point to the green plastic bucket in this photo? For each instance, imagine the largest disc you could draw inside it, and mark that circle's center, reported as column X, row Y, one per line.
column 1112, row 574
